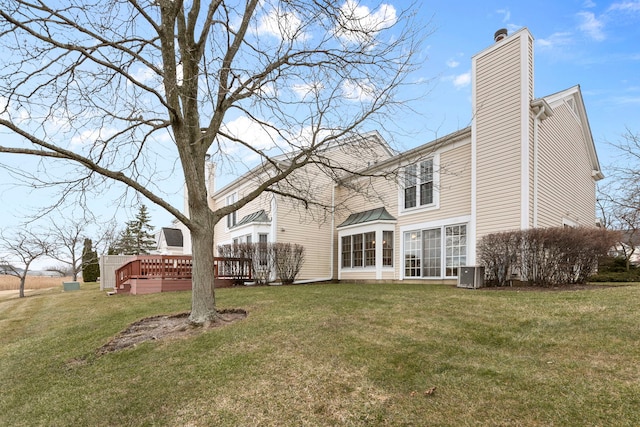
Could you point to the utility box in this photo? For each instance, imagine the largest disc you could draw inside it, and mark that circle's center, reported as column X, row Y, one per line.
column 70, row 286
column 471, row 277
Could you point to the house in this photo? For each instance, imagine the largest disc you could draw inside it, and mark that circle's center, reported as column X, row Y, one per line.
column 169, row 241
column 524, row 162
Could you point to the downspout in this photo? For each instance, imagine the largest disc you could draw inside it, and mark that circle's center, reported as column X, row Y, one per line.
column 544, row 111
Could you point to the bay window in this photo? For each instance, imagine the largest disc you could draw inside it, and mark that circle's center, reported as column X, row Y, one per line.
column 360, row 250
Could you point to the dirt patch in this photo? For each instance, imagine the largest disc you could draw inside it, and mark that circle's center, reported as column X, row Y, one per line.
column 166, row 327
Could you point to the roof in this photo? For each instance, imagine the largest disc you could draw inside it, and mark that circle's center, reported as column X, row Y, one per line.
column 371, row 136
column 576, row 94
column 173, row 236
column 378, row 214
column 260, row 216
column 425, row 149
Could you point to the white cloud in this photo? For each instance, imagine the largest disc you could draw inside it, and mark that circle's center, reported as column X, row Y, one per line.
column 304, row 89
column 555, row 40
column 360, row 25
column 250, row 131
column 626, row 6
column 588, row 4
column 5, row 111
column 591, row 26
column 283, row 25
column 452, row 63
column 144, row 75
column 462, row 80
column 362, row 90
column 506, row 14
column 92, row 136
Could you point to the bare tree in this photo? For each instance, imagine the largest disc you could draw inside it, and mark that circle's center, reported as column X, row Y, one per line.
column 19, row 250
column 68, row 238
column 619, row 201
column 130, row 90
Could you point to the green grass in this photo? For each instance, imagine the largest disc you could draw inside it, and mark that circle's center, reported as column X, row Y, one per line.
column 329, row 355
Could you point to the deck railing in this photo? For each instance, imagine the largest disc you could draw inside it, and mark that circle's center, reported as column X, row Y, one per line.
column 180, row 267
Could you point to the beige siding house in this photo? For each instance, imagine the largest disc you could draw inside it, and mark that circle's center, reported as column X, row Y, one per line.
column 417, row 216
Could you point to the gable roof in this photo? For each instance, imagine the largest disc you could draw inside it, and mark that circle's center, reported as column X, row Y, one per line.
column 173, row 236
column 260, row 216
column 378, row 214
column 573, row 97
column 370, row 137
column 425, row 150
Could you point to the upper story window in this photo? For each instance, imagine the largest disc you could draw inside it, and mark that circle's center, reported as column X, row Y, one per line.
column 231, row 218
column 418, row 184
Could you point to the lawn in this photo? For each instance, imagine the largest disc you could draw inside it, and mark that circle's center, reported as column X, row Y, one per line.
column 329, row 355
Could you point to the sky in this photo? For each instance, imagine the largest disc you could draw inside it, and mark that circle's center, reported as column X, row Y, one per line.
column 594, row 44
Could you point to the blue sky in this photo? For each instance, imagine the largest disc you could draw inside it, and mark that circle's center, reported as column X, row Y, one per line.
column 591, row 43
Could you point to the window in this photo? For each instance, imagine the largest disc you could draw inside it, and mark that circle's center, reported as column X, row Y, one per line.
column 423, row 251
column 361, row 250
column 231, row 218
column 412, row 254
column 346, row 251
column 410, row 187
column 456, row 248
column 370, row 249
column 418, row 184
column 431, row 253
column 387, row 248
column 263, row 253
column 357, row 250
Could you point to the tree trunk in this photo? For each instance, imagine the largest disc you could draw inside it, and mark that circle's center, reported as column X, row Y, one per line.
column 203, row 300
column 22, row 280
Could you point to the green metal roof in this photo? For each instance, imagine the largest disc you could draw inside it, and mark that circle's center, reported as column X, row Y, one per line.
column 378, row 214
column 260, row 216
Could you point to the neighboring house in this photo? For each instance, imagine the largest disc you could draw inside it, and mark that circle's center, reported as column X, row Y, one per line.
column 627, row 246
column 170, row 241
column 524, row 162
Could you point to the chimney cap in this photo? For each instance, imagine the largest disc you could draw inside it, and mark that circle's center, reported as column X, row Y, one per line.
column 500, row 34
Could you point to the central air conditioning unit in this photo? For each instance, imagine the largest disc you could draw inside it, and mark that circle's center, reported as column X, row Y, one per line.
column 470, row 277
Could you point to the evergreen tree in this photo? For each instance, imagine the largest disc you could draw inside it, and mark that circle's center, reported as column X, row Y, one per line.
column 90, row 266
column 137, row 237
column 144, row 240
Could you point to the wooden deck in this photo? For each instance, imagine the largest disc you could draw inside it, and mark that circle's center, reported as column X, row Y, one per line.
column 146, row 274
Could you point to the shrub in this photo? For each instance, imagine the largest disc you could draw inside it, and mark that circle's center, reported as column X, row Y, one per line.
column 499, row 253
column 288, row 261
column 544, row 256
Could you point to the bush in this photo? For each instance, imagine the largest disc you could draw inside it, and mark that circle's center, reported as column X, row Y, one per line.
column 614, row 269
column 286, row 259
column 544, row 256
column 499, row 253
column 623, row 276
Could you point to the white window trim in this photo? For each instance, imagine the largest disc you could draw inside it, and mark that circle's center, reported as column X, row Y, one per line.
column 251, row 229
column 436, row 188
column 569, row 223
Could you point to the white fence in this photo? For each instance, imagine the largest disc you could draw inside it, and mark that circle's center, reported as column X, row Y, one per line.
column 108, row 266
